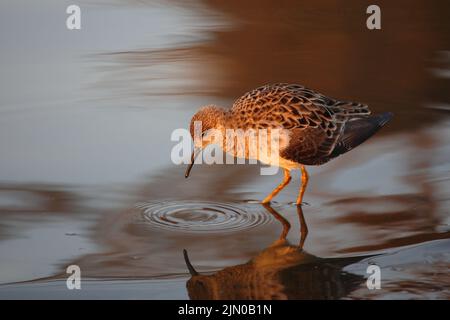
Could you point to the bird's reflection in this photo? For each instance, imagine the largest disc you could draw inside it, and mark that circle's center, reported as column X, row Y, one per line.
column 281, row 271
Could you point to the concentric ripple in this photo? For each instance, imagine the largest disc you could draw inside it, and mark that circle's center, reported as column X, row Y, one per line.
column 208, row 217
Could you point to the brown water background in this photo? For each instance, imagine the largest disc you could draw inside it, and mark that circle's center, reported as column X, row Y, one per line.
column 85, row 170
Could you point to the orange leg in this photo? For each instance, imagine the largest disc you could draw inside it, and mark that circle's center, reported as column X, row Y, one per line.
column 286, row 180
column 305, row 179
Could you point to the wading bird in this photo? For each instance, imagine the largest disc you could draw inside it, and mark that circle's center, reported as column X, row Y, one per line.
column 313, row 128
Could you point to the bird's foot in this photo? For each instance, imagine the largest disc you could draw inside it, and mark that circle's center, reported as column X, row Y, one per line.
column 299, row 204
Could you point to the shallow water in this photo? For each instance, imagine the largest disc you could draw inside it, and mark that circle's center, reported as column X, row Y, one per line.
column 86, row 176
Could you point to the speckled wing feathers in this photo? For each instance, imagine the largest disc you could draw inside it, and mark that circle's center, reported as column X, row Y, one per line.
column 316, row 121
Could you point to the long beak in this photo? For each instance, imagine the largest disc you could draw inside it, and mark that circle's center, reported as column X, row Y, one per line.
column 195, row 153
column 188, row 264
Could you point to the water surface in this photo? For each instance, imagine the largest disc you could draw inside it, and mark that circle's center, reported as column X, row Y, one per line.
column 86, row 176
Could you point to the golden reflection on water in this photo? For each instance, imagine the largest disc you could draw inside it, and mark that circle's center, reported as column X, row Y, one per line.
column 280, row 271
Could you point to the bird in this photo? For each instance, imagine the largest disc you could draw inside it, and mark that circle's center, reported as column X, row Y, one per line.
column 313, row 128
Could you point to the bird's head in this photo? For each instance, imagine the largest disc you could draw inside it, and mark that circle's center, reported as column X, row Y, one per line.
column 207, row 118
column 203, row 125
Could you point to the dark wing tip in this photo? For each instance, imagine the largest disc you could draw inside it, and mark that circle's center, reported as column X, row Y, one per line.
column 385, row 117
column 359, row 130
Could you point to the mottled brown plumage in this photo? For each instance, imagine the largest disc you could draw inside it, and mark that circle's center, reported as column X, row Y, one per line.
column 317, row 123
column 315, row 128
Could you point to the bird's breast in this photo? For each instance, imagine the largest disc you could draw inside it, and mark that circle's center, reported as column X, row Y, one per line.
column 264, row 145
